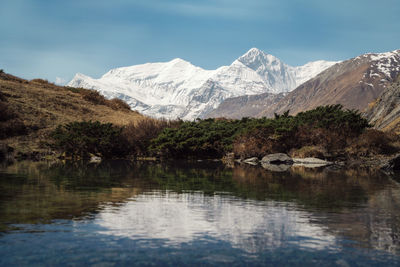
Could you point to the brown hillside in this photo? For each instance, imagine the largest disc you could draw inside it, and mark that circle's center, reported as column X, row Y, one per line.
column 353, row 83
column 30, row 110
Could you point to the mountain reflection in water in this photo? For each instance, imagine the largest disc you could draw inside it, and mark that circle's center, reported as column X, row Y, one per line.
column 178, row 205
column 179, row 218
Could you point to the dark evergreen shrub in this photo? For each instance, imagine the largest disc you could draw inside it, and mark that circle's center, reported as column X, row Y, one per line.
column 84, row 138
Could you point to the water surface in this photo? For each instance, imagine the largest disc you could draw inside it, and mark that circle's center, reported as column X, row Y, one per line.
column 146, row 213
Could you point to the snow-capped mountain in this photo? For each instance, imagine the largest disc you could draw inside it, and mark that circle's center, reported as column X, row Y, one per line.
column 178, row 89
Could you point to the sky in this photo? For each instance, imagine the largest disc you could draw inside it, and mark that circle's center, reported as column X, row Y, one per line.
column 54, row 39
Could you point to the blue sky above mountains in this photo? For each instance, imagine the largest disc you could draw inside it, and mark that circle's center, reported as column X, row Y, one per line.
column 56, row 38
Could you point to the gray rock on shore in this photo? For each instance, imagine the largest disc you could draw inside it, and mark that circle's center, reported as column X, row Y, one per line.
column 311, row 162
column 277, row 158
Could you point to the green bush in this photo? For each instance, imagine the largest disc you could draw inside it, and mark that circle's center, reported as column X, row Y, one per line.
column 201, row 138
column 140, row 134
column 80, row 139
column 331, row 126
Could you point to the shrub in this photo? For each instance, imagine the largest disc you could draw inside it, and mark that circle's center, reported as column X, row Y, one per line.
column 12, row 128
column 2, row 97
column 118, row 104
column 84, row 138
column 139, row 135
column 5, row 112
column 372, row 142
column 41, row 81
column 93, row 96
column 202, row 138
column 309, row 151
column 329, row 127
column 10, row 123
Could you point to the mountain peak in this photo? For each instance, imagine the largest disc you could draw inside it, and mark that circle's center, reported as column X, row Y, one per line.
column 178, row 60
column 256, row 58
column 254, row 50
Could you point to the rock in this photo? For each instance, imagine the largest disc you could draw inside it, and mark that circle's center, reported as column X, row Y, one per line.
column 277, row 158
column 252, row 161
column 311, row 161
column 309, row 165
column 393, row 164
column 275, row 167
column 95, row 159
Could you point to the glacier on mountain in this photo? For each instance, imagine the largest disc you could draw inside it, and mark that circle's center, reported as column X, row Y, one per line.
column 178, row 89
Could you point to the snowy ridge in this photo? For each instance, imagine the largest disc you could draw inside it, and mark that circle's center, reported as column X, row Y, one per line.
column 384, row 68
column 178, row 89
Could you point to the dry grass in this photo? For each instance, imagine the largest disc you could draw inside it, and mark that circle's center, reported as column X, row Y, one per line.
column 309, row 151
column 139, row 134
column 374, row 142
column 41, row 106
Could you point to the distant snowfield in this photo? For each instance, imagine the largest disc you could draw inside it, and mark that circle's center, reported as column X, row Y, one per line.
column 178, row 89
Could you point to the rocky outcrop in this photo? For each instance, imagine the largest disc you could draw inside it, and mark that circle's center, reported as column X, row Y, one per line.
column 384, row 113
column 244, row 106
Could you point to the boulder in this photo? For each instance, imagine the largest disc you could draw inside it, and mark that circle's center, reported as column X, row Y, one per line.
column 309, row 165
column 311, row 161
column 277, row 158
column 95, row 159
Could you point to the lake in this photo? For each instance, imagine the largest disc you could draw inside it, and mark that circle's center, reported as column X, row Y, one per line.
column 120, row 213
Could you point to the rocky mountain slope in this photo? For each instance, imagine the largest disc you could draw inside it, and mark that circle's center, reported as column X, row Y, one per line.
column 353, row 83
column 245, row 106
column 179, row 89
column 384, row 113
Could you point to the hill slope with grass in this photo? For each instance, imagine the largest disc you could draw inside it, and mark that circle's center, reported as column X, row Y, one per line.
column 31, row 110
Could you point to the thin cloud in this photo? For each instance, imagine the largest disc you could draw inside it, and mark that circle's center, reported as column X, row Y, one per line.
column 60, row 81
